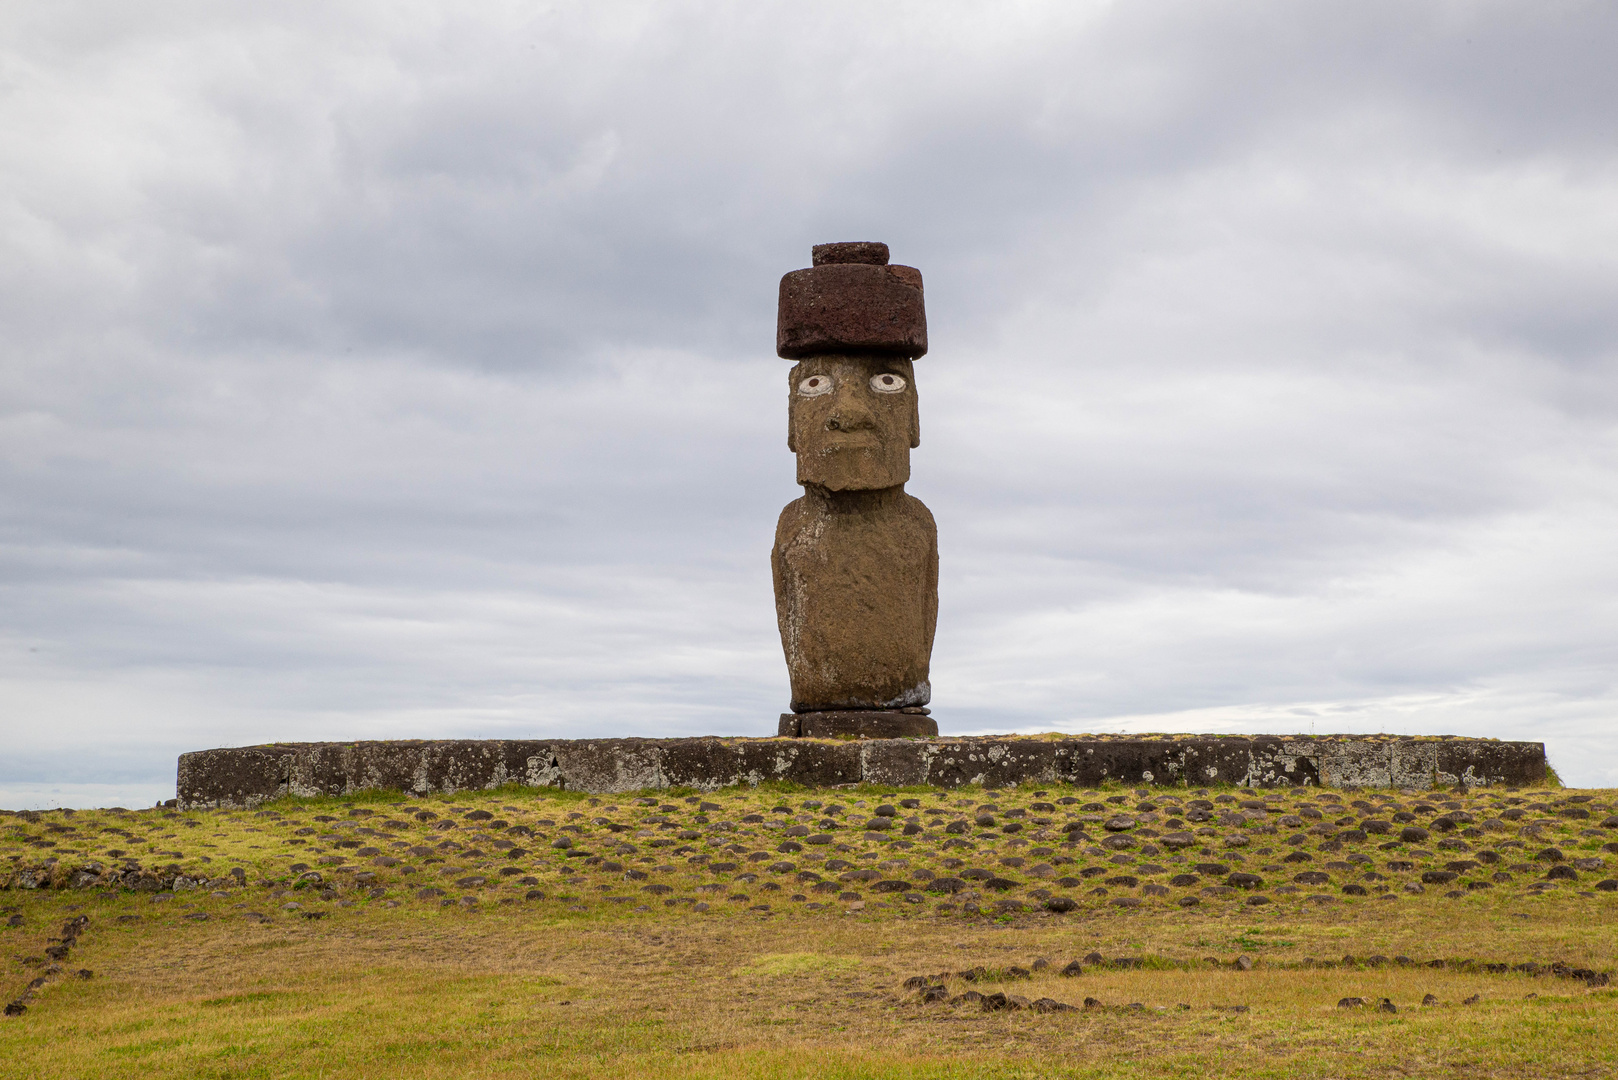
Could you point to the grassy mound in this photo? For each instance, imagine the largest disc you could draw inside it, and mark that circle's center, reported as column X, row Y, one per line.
column 786, row 932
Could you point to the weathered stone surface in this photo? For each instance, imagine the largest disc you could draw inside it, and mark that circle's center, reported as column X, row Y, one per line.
column 241, row 777
column 993, row 762
column 866, row 724
column 1410, row 763
column 1357, row 764
column 1094, row 762
column 612, row 765
column 715, row 763
column 900, row 762
column 856, row 592
column 873, row 252
column 250, row 775
column 852, row 421
column 1474, row 761
column 420, row 766
column 855, row 560
column 848, row 306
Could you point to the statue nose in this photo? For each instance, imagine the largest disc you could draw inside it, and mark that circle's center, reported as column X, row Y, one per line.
column 850, row 414
column 855, row 420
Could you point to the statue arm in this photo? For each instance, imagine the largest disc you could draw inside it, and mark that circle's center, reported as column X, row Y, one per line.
column 932, row 583
column 778, row 571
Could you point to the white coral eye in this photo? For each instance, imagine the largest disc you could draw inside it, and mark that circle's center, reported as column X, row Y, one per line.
column 887, row 383
column 815, row 385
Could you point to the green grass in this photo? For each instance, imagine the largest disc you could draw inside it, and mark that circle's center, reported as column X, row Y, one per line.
column 484, row 981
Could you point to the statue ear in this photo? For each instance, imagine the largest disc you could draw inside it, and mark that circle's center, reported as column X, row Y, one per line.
column 915, row 408
column 792, row 409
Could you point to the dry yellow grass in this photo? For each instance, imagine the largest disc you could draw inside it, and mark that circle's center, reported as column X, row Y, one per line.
column 511, row 987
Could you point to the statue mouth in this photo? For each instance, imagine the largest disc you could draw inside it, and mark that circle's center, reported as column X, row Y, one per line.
column 838, row 440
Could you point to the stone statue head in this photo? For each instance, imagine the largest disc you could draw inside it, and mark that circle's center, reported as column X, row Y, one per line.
column 852, row 421
column 854, row 324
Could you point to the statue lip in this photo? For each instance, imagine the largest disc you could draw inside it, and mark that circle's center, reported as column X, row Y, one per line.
column 834, row 441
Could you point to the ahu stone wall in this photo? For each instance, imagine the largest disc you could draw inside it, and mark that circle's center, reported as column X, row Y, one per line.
column 250, row 775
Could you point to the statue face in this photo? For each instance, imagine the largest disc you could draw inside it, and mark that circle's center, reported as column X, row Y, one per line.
column 852, row 421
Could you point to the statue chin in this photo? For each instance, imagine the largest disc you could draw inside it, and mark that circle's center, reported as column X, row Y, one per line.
column 854, row 470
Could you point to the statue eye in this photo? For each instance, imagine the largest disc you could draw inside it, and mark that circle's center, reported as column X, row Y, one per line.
column 887, row 383
column 815, row 385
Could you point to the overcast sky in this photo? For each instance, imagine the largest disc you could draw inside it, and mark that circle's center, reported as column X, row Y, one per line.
column 407, row 369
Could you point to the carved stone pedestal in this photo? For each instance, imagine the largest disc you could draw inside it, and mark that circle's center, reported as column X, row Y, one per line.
column 864, row 723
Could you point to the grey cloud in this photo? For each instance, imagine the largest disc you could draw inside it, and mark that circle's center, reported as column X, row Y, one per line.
column 408, row 371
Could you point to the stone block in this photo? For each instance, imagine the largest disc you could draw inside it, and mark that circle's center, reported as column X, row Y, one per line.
column 851, row 307
column 321, row 769
column 811, row 762
column 609, row 766
column 1129, row 761
column 704, row 764
column 901, row 762
column 873, row 252
column 1216, row 760
column 235, row 777
column 996, row 762
column 1275, row 762
column 864, row 724
column 1413, row 762
column 714, row 763
column 1477, row 762
column 1354, row 763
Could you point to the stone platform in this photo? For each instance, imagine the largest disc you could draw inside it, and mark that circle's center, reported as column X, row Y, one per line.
column 250, row 775
column 861, row 724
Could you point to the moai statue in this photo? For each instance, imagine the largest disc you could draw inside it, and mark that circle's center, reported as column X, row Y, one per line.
column 855, row 559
